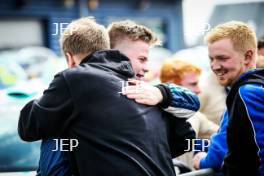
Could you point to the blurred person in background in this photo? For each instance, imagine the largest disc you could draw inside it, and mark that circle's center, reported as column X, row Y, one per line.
column 151, row 153
column 260, row 60
column 185, row 74
column 261, row 46
column 212, row 94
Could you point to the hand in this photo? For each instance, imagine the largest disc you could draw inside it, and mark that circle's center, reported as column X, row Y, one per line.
column 142, row 92
column 197, row 158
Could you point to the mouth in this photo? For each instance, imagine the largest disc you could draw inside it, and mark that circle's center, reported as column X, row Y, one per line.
column 221, row 73
column 139, row 76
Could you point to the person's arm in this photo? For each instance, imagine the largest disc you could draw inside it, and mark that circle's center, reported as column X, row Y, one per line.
column 179, row 101
column 216, row 151
column 48, row 116
column 181, row 134
column 174, row 99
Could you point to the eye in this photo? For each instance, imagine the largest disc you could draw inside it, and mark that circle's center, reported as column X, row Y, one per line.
column 142, row 59
column 222, row 58
column 194, row 84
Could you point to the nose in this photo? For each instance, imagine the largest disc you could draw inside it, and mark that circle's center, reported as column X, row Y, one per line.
column 215, row 65
column 197, row 90
column 145, row 68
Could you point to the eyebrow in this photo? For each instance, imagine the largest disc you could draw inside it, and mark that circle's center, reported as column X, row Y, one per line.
column 218, row 56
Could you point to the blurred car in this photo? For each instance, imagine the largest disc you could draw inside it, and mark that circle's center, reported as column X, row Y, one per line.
column 16, row 157
column 28, row 63
column 28, row 72
column 10, row 71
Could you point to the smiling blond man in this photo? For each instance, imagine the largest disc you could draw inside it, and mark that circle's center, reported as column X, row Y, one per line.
column 232, row 50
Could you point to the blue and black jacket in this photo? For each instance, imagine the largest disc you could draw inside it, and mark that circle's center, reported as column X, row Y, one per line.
column 244, row 119
column 245, row 129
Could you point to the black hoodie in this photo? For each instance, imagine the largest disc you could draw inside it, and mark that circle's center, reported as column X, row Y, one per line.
column 117, row 136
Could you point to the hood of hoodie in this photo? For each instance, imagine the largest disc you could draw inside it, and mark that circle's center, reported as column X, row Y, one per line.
column 112, row 60
column 254, row 76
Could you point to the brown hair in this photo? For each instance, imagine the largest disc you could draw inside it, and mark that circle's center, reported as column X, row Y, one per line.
column 121, row 30
column 261, row 42
column 84, row 36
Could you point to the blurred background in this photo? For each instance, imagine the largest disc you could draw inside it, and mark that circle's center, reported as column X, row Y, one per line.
column 30, row 53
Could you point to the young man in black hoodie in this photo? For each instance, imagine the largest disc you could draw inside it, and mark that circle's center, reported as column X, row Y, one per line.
column 116, row 136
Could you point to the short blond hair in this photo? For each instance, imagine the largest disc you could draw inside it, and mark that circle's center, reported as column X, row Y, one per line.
column 128, row 29
column 172, row 70
column 241, row 34
column 84, row 36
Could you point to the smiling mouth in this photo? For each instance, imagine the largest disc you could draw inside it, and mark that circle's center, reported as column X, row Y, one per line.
column 220, row 73
column 139, row 76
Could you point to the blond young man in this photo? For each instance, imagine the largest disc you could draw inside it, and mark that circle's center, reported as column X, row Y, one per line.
column 115, row 135
column 232, row 50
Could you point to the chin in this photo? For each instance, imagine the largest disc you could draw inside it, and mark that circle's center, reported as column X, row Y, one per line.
column 223, row 83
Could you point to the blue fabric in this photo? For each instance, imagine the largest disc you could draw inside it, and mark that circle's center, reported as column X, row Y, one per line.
column 183, row 98
column 253, row 98
column 218, row 147
column 53, row 163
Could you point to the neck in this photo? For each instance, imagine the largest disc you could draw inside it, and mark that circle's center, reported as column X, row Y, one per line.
column 80, row 57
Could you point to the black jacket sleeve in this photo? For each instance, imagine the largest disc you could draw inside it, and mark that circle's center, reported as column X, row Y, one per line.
column 180, row 132
column 50, row 115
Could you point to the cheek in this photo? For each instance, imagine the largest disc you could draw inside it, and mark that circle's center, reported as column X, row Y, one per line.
column 231, row 65
column 135, row 65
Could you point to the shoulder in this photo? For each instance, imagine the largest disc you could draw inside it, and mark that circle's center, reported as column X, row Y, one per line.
column 252, row 97
column 251, row 91
column 79, row 71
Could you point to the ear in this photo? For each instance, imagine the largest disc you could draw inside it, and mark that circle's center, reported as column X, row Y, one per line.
column 249, row 57
column 70, row 60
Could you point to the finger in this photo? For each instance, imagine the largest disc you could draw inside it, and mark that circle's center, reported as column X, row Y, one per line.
column 136, row 96
column 133, row 89
column 142, row 101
